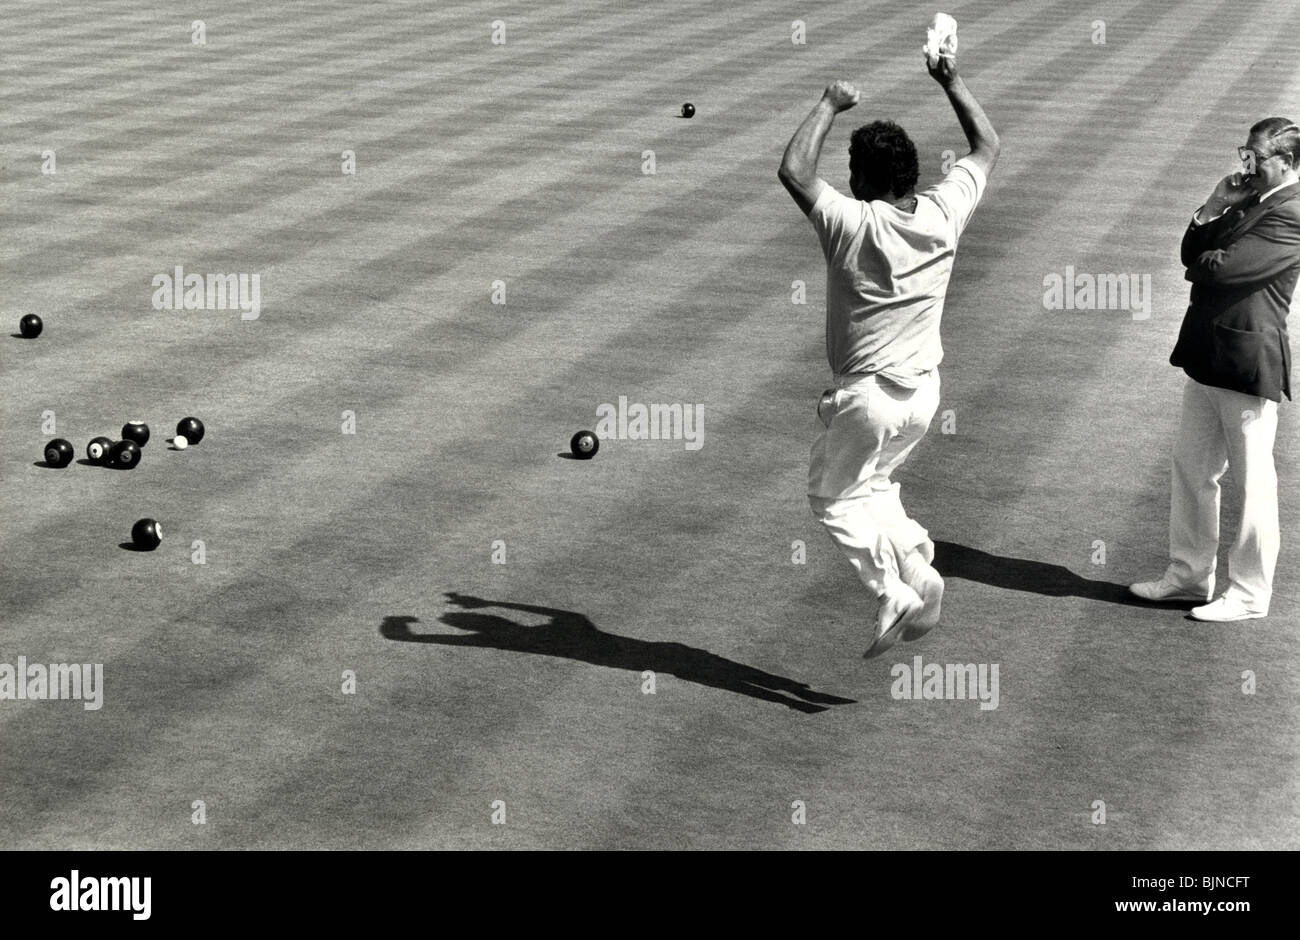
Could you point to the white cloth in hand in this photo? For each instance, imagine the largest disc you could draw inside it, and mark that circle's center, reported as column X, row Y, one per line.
column 940, row 38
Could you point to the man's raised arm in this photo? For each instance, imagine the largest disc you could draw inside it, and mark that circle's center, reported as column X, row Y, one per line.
column 975, row 124
column 798, row 171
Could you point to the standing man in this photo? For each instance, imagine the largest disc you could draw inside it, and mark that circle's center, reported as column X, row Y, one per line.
column 1242, row 254
column 889, row 254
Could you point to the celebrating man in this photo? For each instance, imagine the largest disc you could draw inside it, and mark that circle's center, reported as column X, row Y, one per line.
column 1242, row 254
column 889, row 253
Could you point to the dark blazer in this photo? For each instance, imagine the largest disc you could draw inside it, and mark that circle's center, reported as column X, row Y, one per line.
column 1234, row 333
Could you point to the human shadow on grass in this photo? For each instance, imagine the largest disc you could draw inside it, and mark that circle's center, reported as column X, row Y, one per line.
column 571, row 635
column 1022, row 574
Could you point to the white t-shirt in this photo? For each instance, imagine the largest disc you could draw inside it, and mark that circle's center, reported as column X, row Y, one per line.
column 887, row 272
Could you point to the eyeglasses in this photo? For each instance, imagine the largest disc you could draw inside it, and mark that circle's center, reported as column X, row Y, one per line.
column 1248, row 154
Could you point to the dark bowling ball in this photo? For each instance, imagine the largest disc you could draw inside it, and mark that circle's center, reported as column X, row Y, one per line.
column 191, row 429
column 58, row 453
column 146, row 534
column 136, row 431
column 124, row 454
column 98, row 448
column 584, row 445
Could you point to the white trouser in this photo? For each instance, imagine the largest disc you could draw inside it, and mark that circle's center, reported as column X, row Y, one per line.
column 868, row 427
column 1222, row 429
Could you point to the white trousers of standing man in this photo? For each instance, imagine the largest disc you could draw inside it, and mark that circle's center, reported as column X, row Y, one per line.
column 1225, row 431
column 868, row 427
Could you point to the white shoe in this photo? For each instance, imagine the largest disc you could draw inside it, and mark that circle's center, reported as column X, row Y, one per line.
column 898, row 608
column 1226, row 610
column 928, row 585
column 1163, row 590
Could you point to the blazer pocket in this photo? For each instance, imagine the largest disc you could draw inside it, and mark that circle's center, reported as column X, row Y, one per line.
column 1241, row 357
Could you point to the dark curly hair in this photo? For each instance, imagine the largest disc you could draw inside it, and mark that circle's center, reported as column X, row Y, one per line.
column 884, row 156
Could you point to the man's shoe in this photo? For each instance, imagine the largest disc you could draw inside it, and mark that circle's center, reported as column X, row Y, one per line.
column 928, row 584
column 1162, row 590
column 898, row 608
column 1226, row 610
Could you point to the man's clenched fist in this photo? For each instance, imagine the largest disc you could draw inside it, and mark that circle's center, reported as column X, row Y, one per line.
column 841, row 95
